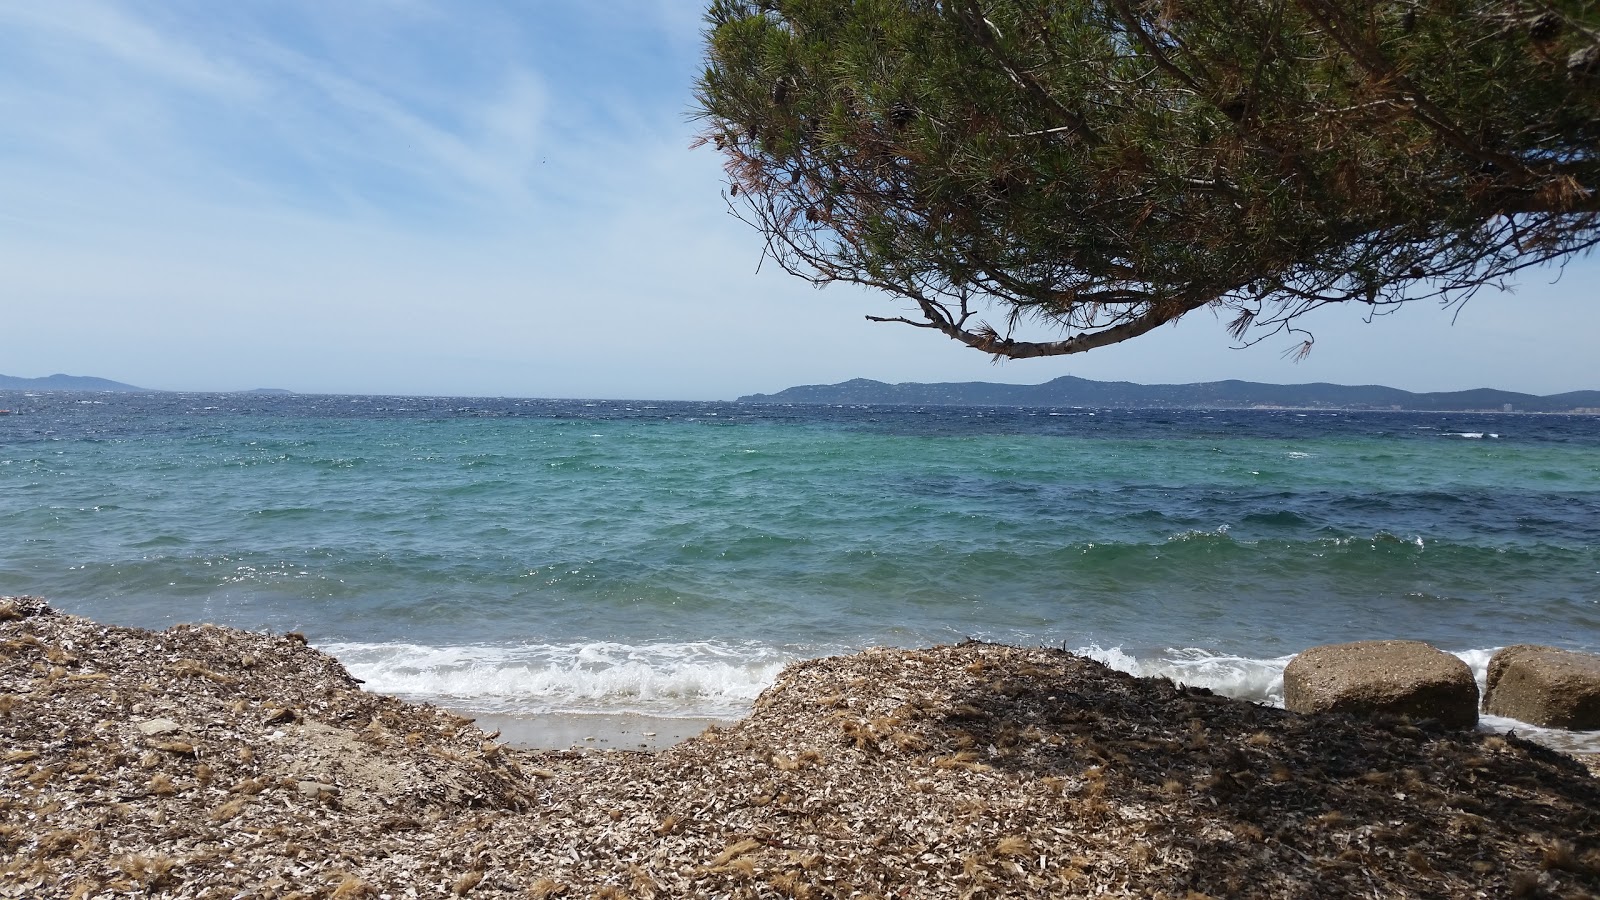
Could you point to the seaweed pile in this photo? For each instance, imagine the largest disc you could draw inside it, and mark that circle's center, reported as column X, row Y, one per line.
column 208, row 762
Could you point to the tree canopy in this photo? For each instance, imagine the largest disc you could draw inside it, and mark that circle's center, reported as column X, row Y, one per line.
column 1106, row 166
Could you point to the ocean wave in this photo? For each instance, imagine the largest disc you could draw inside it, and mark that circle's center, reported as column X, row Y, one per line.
column 722, row 680
column 1217, row 536
column 1256, row 680
column 1261, row 681
column 702, row 678
column 1278, row 519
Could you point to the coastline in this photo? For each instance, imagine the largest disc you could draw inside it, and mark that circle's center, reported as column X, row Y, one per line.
column 591, row 731
column 203, row 761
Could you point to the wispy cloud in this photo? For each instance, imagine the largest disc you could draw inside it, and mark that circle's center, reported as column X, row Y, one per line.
column 234, row 112
column 351, row 128
column 485, row 197
column 114, row 34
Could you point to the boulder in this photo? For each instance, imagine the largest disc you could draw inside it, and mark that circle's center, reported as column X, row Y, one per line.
column 1545, row 686
column 1406, row 678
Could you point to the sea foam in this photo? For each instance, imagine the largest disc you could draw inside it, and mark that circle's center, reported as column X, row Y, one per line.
column 1256, row 680
column 1242, row 677
column 670, row 679
column 1261, row 681
column 722, row 680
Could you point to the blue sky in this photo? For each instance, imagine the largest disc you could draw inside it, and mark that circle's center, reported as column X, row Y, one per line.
column 481, row 198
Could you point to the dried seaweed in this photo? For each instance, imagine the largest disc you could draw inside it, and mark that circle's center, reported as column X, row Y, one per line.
column 264, row 770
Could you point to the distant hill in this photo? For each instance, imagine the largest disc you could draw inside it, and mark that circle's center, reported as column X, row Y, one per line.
column 1071, row 391
column 64, row 383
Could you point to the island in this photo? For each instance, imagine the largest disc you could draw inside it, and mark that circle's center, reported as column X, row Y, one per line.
column 1070, row 391
column 65, row 383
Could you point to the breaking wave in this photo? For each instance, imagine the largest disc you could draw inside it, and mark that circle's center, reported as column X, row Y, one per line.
column 701, row 678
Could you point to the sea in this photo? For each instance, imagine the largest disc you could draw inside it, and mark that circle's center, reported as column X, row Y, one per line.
column 520, row 556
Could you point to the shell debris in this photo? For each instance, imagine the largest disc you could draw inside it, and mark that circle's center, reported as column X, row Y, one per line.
column 210, row 762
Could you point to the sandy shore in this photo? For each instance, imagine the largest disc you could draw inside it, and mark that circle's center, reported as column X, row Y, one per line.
column 592, row 731
column 207, row 762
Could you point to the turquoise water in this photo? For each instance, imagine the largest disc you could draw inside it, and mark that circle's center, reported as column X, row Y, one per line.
column 509, row 555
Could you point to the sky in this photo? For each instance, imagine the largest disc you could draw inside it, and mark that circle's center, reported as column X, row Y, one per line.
column 499, row 199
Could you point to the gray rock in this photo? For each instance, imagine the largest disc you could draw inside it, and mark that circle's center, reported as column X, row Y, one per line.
column 152, row 727
column 1545, row 686
column 1406, row 678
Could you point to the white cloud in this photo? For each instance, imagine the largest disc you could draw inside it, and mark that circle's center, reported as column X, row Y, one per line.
column 109, row 31
column 412, row 197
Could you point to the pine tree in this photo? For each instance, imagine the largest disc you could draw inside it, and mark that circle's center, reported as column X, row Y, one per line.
column 1106, row 166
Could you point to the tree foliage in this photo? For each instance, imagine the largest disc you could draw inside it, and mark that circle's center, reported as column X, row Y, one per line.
column 1105, row 166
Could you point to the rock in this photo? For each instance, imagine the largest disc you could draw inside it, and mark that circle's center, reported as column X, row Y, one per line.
column 1407, row 678
column 1545, row 686
column 153, row 727
column 316, row 789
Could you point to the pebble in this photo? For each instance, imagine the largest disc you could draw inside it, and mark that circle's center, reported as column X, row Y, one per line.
column 316, row 789
column 153, row 727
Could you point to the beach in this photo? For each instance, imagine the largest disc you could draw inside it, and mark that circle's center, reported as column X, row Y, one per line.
column 530, row 559
column 203, row 761
column 618, row 731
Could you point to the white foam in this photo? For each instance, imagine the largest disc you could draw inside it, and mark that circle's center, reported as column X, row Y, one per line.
column 1555, row 738
column 1568, row 741
column 698, row 678
column 1472, row 435
column 1256, row 680
column 1261, row 681
column 721, row 680
column 1478, row 662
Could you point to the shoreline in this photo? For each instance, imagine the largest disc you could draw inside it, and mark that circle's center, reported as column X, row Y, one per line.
column 202, row 761
column 653, row 733
column 641, row 733
column 570, row 729
column 591, row 731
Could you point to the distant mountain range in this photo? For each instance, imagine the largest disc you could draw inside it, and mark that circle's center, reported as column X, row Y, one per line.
column 1070, row 391
column 88, row 383
column 63, row 383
